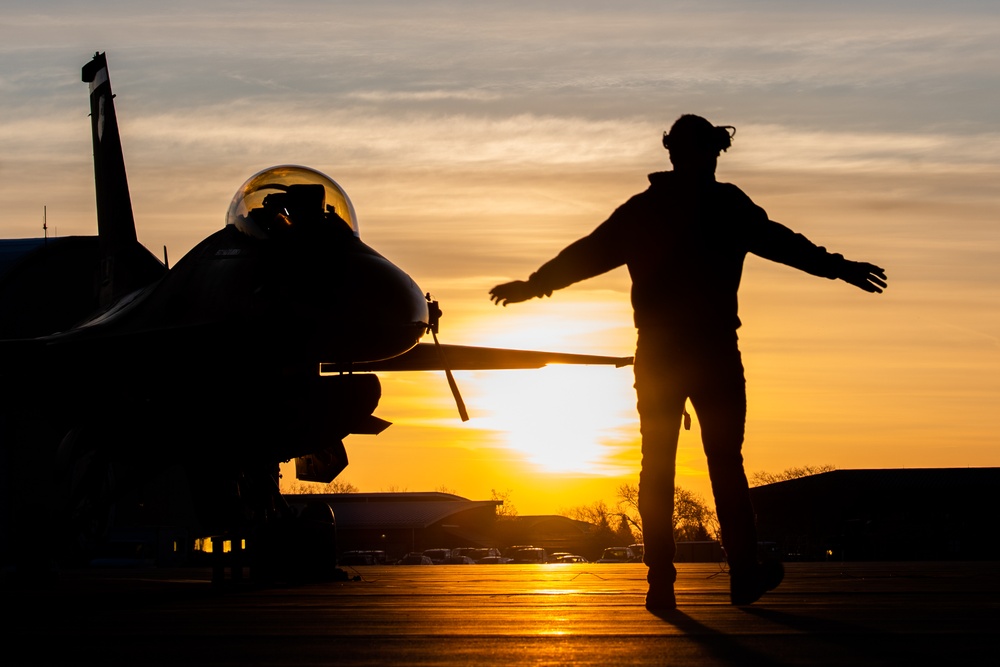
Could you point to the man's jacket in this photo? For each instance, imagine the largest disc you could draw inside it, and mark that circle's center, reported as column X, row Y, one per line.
column 684, row 243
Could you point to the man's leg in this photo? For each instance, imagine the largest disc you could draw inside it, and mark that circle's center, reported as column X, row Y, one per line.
column 720, row 401
column 721, row 405
column 660, row 404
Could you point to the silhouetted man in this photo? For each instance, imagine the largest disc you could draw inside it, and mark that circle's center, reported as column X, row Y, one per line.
column 684, row 241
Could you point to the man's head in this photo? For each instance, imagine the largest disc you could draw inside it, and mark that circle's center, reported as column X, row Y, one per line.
column 695, row 144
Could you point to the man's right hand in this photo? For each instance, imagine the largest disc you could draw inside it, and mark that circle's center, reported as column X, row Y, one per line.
column 512, row 292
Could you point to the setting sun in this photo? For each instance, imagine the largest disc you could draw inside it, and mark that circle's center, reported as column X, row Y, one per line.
column 562, row 419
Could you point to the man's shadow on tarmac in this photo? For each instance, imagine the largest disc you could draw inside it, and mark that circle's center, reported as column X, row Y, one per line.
column 728, row 649
column 718, row 645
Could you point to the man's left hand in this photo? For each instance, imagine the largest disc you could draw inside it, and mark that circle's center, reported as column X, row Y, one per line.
column 864, row 276
column 512, row 292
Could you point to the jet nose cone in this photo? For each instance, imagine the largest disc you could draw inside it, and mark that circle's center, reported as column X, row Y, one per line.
column 351, row 305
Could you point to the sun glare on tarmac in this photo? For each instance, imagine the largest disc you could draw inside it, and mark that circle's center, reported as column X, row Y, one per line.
column 563, row 419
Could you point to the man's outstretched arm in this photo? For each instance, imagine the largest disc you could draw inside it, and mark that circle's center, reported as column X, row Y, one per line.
column 600, row 251
column 587, row 257
column 513, row 292
column 772, row 240
column 864, row 276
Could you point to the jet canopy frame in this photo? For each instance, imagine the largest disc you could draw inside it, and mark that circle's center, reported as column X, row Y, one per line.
column 291, row 201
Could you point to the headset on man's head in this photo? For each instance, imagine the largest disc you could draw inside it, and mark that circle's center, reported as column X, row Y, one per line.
column 692, row 131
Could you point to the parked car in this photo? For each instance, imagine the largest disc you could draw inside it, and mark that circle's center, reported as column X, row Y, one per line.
column 530, row 555
column 438, row 556
column 494, row 560
column 569, row 558
column 414, row 559
column 476, row 553
column 458, row 560
column 617, row 555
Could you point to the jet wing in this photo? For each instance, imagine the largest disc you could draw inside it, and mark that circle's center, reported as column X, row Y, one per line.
column 431, row 357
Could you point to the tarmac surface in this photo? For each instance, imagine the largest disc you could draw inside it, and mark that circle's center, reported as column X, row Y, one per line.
column 503, row 615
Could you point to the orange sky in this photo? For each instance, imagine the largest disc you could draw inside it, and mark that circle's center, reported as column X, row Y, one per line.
column 476, row 143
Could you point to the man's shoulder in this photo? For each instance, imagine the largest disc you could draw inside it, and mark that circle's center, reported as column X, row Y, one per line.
column 660, row 178
column 659, row 186
column 732, row 196
column 730, row 189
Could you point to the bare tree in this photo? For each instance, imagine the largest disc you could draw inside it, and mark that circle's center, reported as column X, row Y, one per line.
column 628, row 508
column 761, row 478
column 613, row 525
column 693, row 519
column 596, row 513
column 506, row 510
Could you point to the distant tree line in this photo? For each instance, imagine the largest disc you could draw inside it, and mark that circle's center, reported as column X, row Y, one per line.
column 298, row 487
column 694, row 518
column 615, row 525
column 762, row 477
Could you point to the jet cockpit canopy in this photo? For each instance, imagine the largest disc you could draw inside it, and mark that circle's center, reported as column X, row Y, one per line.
column 291, row 202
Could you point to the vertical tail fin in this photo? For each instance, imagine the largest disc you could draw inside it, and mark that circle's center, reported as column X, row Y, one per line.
column 120, row 271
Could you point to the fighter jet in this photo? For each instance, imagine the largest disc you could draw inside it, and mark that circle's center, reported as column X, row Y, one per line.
column 140, row 394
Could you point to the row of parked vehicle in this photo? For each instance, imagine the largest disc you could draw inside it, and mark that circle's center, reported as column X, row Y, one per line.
column 489, row 556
